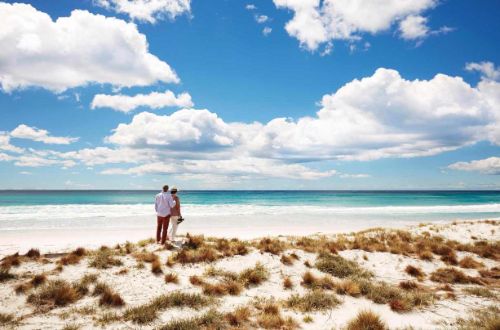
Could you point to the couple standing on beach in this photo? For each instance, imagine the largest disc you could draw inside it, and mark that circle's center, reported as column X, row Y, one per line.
column 168, row 209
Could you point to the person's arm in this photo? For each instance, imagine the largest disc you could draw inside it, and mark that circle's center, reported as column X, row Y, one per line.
column 156, row 203
column 179, row 206
column 171, row 202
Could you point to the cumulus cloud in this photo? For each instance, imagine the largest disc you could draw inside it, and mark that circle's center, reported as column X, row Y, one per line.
column 147, row 10
column 154, row 100
column 317, row 22
column 6, row 145
column 380, row 116
column 40, row 135
column 240, row 167
column 486, row 166
column 73, row 51
column 414, row 27
column 486, row 69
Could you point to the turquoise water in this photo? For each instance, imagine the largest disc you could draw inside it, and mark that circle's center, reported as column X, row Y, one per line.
column 268, row 198
column 318, row 210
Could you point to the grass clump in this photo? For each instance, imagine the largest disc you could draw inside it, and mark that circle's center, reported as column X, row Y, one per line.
column 349, row 287
column 54, row 294
column 196, row 280
column 5, row 275
column 315, row 300
column 287, row 260
column 238, row 317
column 13, row 260
column 254, row 276
column 287, row 283
column 148, row 312
column 73, row 257
column 340, row 267
column 366, row 320
column 452, row 275
column 408, row 285
column 414, row 271
column 103, row 259
column 145, row 257
column 469, row 262
column 480, row 292
column 486, row 318
column 312, row 282
column 172, row 278
column 111, row 298
column 156, row 267
column 6, row 319
column 210, row 320
column 231, row 247
column 33, row 254
column 271, row 245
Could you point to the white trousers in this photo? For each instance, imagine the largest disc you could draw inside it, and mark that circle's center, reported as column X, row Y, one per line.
column 173, row 227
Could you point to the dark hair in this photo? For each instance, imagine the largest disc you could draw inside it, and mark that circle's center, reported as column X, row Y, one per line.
column 173, row 191
column 165, row 188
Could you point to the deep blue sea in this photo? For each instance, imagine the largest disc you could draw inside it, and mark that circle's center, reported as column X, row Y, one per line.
column 54, row 209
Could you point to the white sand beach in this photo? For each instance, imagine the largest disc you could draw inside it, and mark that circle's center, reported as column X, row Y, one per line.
column 203, row 283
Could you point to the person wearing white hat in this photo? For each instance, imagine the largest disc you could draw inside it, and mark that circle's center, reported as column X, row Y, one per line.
column 175, row 213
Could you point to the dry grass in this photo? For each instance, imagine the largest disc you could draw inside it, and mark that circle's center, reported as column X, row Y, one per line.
column 307, row 264
column 210, row 320
column 486, row 318
column 426, row 255
column 33, row 254
column 231, row 247
column 452, row 275
column 196, row 280
column 145, row 257
column 254, row 276
column 156, row 267
column 271, row 245
column 366, row 320
column 38, row 280
column 172, row 278
column 73, row 257
column 111, row 298
column 104, row 258
column 480, row 292
column 71, row 327
column 286, row 260
column 408, row 285
column 5, row 275
column 348, row 287
column 148, row 312
column 202, row 254
column 13, row 260
column 312, row 282
column 22, row 288
column 239, row 316
column 469, row 262
column 315, row 300
column 273, row 321
column 340, row 267
column 54, row 294
column 415, row 271
column 287, row 283
column 6, row 319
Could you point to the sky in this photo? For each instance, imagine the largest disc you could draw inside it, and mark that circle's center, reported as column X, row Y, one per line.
column 268, row 94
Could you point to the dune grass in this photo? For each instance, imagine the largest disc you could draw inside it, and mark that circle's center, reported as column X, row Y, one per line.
column 340, row 267
column 148, row 312
column 73, row 257
column 366, row 320
column 5, row 275
column 315, row 300
column 287, row 283
column 469, row 262
column 55, row 293
column 104, row 258
column 171, row 278
column 487, row 318
column 415, row 271
column 453, row 276
column 480, row 292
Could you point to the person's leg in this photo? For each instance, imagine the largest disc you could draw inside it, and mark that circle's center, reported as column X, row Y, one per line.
column 165, row 228
column 173, row 227
column 159, row 225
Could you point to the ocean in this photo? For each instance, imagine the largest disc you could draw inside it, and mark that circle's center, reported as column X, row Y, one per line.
column 31, row 210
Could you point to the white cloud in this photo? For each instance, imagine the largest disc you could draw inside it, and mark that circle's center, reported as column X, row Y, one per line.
column 5, row 143
column 147, row 10
column 266, row 31
column 154, row 100
column 73, row 51
column 261, row 18
column 40, row 135
column 486, row 69
column 186, row 129
column 315, row 22
column 414, row 27
column 250, row 7
column 5, row 157
column 240, row 167
column 33, row 160
column 354, row 176
column 486, row 166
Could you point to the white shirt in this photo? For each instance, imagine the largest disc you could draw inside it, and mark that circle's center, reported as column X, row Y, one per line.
column 163, row 203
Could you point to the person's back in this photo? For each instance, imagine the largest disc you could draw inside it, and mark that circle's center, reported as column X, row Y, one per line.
column 163, row 203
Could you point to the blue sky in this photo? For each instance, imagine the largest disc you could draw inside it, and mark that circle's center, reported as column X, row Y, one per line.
column 364, row 107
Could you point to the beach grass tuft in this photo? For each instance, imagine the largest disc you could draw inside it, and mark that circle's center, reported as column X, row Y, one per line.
column 110, row 298
column 104, row 258
column 254, row 276
column 171, row 278
column 315, row 300
column 55, row 293
column 287, row 283
column 366, row 320
column 452, row 275
column 338, row 266
column 469, row 262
